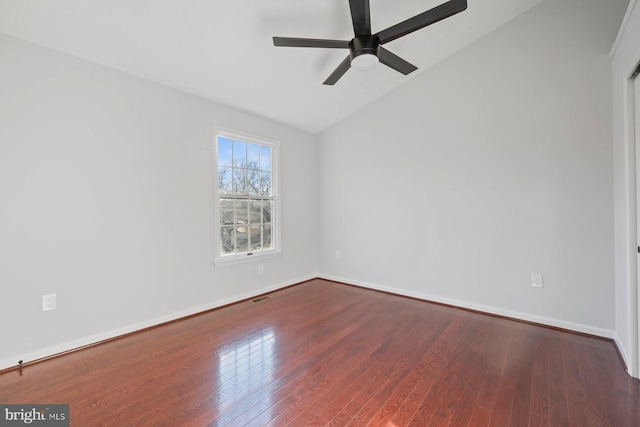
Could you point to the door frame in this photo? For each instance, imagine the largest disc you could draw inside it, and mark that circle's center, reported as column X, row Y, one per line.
column 634, row 116
column 630, row 350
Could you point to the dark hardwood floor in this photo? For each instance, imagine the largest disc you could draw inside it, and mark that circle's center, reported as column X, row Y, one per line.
column 322, row 353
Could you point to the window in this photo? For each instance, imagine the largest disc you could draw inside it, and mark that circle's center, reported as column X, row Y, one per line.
column 246, row 196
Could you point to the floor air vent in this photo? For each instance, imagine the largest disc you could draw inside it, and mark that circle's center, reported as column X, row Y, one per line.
column 261, row 298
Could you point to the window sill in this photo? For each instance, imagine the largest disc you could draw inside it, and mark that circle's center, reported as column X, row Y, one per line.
column 239, row 259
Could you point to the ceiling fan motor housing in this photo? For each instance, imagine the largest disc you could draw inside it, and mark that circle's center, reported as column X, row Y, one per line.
column 364, row 44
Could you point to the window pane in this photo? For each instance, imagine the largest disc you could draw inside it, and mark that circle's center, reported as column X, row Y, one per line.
column 242, row 238
column 226, row 238
column 265, row 158
column 265, row 183
column 256, row 238
column 225, row 151
column 267, row 208
column 253, row 156
column 255, row 212
column 239, row 185
column 253, row 182
column 226, row 211
column 240, row 154
column 224, row 180
column 266, row 237
column 242, row 208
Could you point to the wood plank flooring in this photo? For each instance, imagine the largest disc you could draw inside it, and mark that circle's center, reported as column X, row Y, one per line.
column 325, row 354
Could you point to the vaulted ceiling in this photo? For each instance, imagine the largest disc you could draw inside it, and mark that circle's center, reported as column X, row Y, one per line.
column 223, row 50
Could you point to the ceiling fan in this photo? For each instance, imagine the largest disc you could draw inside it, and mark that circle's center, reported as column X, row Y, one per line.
column 365, row 49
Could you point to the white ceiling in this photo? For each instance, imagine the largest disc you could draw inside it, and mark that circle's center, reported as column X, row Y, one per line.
column 222, row 50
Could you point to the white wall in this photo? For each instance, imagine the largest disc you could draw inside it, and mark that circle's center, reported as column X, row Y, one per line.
column 626, row 56
column 492, row 165
column 106, row 187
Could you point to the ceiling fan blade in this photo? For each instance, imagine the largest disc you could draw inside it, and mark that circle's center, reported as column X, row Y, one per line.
column 298, row 42
column 361, row 16
column 429, row 17
column 338, row 72
column 394, row 61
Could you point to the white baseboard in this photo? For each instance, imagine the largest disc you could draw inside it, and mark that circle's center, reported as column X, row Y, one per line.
column 85, row 341
column 577, row 327
column 625, row 357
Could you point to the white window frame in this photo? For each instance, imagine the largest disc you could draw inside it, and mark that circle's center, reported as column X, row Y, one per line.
column 219, row 259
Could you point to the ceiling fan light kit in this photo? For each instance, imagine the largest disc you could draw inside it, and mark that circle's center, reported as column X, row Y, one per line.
column 364, row 62
column 365, row 49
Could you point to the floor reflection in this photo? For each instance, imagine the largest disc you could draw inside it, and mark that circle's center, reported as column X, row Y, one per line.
column 245, row 374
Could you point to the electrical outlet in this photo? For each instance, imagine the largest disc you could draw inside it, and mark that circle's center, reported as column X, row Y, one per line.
column 48, row 302
column 260, row 268
column 536, row 280
column 337, row 254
